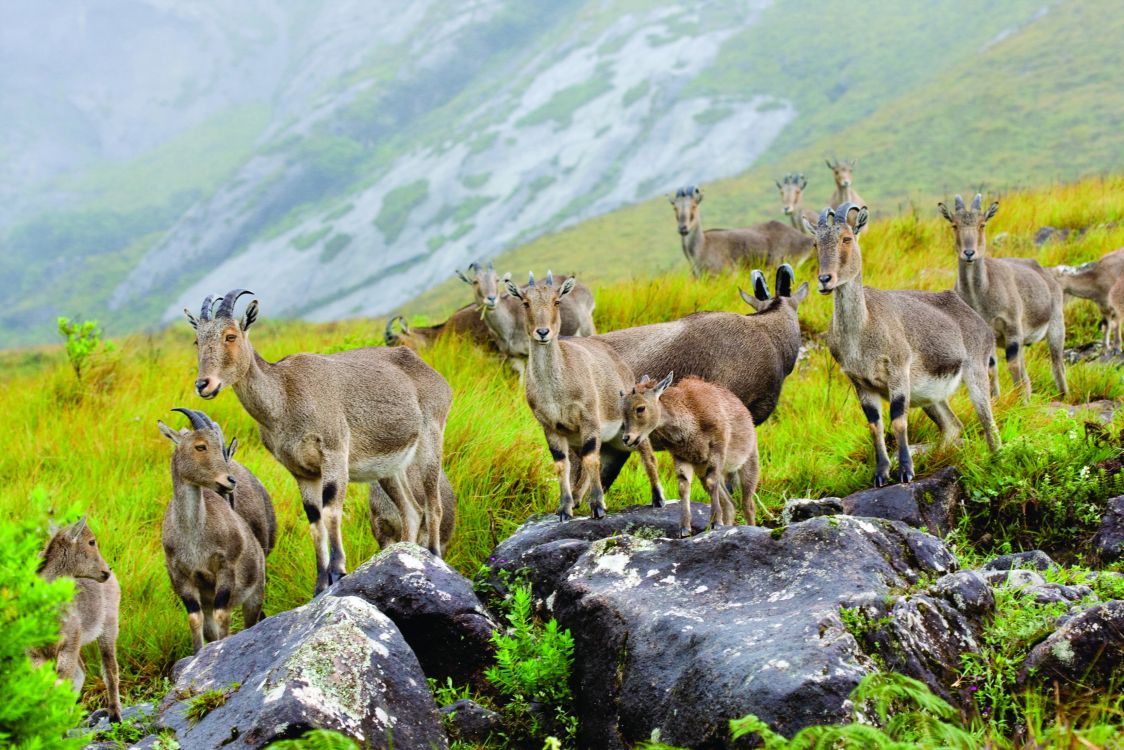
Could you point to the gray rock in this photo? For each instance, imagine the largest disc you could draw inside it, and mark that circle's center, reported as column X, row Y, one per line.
column 1017, row 578
column 1087, row 651
column 967, row 591
column 1057, row 593
column 336, row 663
column 434, row 607
column 932, row 502
column 470, row 722
column 1034, row 559
column 546, row 547
column 801, row 509
column 682, row 635
column 1109, row 541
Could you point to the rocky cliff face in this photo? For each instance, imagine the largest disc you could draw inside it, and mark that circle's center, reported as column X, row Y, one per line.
column 594, row 118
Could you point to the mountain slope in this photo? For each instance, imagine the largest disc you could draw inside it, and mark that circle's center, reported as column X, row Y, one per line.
column 391, row 147
column 1043, row 102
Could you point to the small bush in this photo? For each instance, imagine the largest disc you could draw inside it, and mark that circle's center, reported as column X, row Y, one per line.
column 82, row 341
column 532, row 672
column 34, row 711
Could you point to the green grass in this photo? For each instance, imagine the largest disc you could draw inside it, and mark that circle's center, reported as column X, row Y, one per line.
column 95, row 445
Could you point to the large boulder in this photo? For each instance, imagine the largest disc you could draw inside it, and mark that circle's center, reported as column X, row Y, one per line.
column 1088, row 650
column 544, row 548
column 676, row 637
column 924, row 634
column 335, row 663
column 1109, row 541
column 434, row 607
column 932, row 503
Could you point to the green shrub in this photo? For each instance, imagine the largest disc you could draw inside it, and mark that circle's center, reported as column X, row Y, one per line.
column 532, row 672
column 34, row 711
column 82, row 341
column 908, row 713
column 533, row 661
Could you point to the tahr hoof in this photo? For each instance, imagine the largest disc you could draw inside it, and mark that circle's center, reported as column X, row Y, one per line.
column 905, row 476
column 563, row 516
column 684, row 533
column 881, row 479
column 598, row 513
column 657, row 502
column 335, row 575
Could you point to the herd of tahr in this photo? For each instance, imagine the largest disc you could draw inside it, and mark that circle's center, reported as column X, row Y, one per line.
column 377, row 415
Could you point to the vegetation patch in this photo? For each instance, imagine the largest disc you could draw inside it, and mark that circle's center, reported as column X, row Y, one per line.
column 308, row 239
column 204, row 703
column 397, row 205
column 334, row 247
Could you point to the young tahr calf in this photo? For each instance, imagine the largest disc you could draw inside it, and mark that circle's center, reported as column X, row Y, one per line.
column 707, row 431
column 217, row 530
column 92, row 615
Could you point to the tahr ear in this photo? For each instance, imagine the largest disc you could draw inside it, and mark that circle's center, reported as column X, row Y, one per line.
column 191, row 319
column 750, row 300
column 567, row 287
column 671, row 199
column 944, row 211
column 168, row 432
column 801, row 293
column 861, row 219
column 506, row 277
column 809, row 227
column 779, row 186
column 991, row 211
column 231, row 448
column 663, row 384
column 76, row 529
column 512, row 289
column 250, row 315
column 698, row 196
column 462, row 277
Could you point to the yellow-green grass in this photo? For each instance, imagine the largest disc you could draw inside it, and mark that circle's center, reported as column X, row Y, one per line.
column 94, row 446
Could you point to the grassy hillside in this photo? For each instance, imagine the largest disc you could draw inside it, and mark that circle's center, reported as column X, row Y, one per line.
column 94, row 447
column 1004, row 118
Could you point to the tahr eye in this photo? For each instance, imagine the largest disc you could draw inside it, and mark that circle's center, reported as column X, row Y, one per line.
column 93, row 543
column 640, row 409
column 201, row 448
column 230, row 337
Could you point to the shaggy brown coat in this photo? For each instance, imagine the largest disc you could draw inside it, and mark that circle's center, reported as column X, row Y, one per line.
column 707, row 431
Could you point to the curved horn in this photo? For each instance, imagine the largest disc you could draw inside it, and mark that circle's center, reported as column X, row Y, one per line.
column 550, row 278
column 959, row 203
column 785, row 279
column 826, row 216
column 977, row 202
column 491, row 267
column 389, row 336
column 530, row 278
column 199, row 420
column 760, row 286
column 208, row 310
column 226, row 307
column 842, row 212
